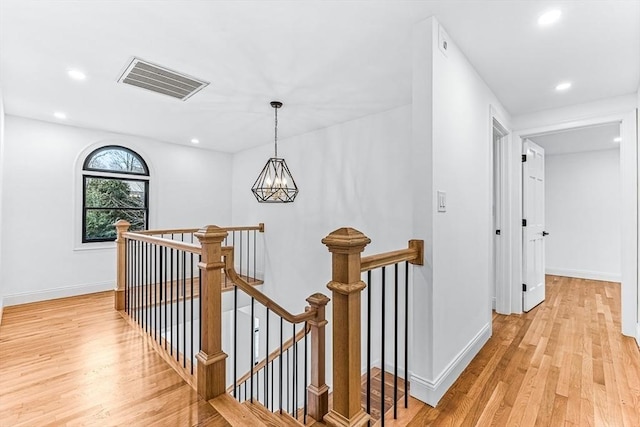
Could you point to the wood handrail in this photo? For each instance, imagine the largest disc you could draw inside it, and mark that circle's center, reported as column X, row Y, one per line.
column 413, row 254
column 227, row 253
column 272, row 356
column 181, row 246
column 259, row 227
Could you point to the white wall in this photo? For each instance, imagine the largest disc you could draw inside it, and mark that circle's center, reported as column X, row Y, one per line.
column 451, row 151
column 583, row 214
column 355, row 174
column 42, row 205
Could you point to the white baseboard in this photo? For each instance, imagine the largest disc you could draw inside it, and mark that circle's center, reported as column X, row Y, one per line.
column 69, row 291
column 431, row 391
column 493, row 303
column 584, row 274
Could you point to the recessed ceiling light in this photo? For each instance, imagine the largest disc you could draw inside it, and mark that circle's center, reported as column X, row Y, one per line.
column 618, row 139
column 60, row 115
column 549, row 17
column 76, row 74
column 195, row 141
column 563, row 86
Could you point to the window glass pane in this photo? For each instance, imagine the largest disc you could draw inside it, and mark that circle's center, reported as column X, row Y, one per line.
column 114, row 193
column 99, row 223
column 117, row 160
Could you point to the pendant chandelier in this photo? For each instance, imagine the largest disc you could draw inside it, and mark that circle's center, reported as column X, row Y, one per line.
column 275, row 183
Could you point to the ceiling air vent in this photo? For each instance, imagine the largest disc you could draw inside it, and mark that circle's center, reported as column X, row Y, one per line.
column 160, row 80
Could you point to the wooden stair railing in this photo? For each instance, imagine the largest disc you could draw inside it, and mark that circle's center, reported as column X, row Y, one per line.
column 346, row 285
column 157, row 281
column 313, row 320
column 272, row 357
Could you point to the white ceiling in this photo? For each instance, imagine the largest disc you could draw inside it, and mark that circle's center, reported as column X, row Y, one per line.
column 328, row 61
column 590, row 138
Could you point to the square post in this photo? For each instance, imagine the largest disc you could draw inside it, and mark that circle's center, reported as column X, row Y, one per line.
column 318, row 391
column 122, row 227
column 211, row 372
column 346, row 246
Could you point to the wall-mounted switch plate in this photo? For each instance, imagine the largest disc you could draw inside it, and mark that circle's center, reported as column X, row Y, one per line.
column 442, row 201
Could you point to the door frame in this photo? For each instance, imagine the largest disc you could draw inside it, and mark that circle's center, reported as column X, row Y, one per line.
column 500, row 275
column 629, row 210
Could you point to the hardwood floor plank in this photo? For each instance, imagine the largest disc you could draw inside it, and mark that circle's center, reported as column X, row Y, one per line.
column 564, row 363
column 76, row 361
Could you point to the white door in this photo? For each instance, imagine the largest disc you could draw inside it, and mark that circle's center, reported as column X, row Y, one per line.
column 533, row 225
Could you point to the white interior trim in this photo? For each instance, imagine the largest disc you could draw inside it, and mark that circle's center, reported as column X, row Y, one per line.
column 629, row 208
column 431, row 391
column 64, row 292
column 502, row 301
column 584, row 274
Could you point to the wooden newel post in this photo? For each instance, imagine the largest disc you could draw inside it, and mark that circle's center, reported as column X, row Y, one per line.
column 122, row 227
column 211, row 379
column 318, row 391
column 346, row 245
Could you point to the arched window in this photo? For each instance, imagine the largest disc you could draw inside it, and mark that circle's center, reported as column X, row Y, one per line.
column 115, row 186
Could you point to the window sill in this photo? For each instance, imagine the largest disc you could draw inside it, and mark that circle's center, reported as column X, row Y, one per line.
column 97, row 246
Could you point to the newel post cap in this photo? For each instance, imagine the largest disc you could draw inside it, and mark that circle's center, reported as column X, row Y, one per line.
column 346, row 240
column 211, row 233
column 122, row 224
column 318, row 300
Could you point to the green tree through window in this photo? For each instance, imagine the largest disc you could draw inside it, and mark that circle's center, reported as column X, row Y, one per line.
column 111, row 192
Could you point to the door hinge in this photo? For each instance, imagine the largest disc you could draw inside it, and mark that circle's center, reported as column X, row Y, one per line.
column 524, row 287
column 524, row 158
column 524, row 222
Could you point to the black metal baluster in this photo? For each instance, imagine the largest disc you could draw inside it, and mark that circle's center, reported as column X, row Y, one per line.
column 177, row 319
column 126, row 277
column 266, row 365
column 145, row 288
column 155, row 292
column 294, row 374
column 306, row 344
column 369, row 342
column 240, row 252
column 406, row 334
column 253, row 339
column 169, row 334
column 200, row 304
column 248, row 258
column 281, row 356
column 184, row 307
column 136, row 266
column 382, row 411
column 163, row 267
column 235, row 339
column 395, row 345
column 288, row 387
column 192, row 338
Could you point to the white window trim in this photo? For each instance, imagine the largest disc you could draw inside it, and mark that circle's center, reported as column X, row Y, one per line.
column 79, row 172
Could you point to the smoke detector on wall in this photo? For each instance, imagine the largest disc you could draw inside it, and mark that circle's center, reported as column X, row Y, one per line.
column 161, row 80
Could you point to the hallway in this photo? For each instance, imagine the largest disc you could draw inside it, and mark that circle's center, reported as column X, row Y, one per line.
column 563, row 363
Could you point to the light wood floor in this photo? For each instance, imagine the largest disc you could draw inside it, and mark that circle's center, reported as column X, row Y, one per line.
column 76, row 361
column 565, row 363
